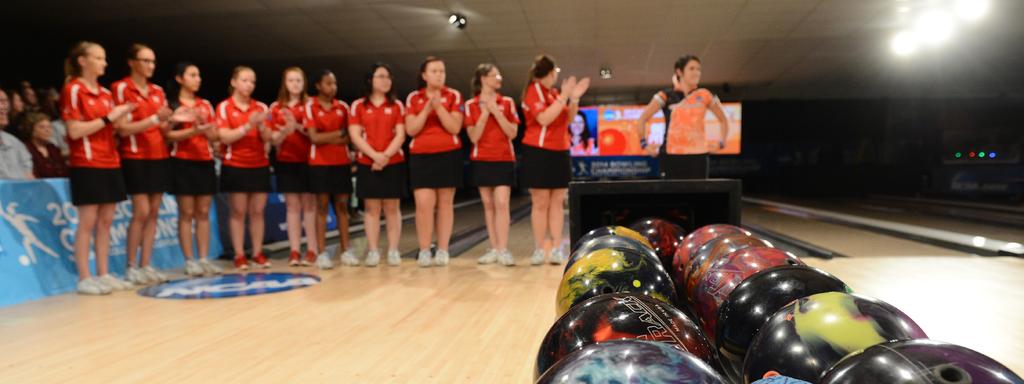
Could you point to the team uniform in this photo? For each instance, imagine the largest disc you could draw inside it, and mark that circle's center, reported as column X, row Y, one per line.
column 95, row 172
column 291, row 166
column 379, row 123
column 545, row 147
column 684, row 152
column 330, row 168
column 492, row 161
column 144, row 154
column 435, row 156
column 246, row 167
column 192, row 158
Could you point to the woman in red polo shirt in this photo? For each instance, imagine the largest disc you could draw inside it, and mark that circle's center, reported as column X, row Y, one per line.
column 95, row 173
column 492, row 123
column 545, row 169
column 435, row 158
column 330, row 169
column 245, row 173
column 144, row 159
column 377, row 129
column 195, row 178
column 291, row 168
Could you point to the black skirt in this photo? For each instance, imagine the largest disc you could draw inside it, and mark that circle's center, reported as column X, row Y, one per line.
column 332, row 179
column 683, row 166
column 146, row 176
column 292, row 177
column 388, row 183
column 234, row 179
column 96, row 185
column 194, row 178
column 544, row 169
column 493, row 173
column 436, row 170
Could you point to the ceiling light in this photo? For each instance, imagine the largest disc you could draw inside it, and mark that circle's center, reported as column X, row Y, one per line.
column 606, row 73
column 904, row 43
column 971, row 10
column 934, row 27
column 457, row 20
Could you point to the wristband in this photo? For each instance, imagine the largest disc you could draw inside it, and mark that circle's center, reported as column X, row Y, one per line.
column 106, row 120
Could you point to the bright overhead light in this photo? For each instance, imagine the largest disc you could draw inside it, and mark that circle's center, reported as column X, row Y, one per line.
column 904, row 43
column 606, row 73
column 971, row 10
column 903, row 9
column 934, row 27
column 457, row 20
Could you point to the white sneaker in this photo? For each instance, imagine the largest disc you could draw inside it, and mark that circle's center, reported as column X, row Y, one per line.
column 423, row 259
column 91, row 286
column 489, row 257
column 154, row 275
column 372, row 258
column 506, row 259
column 323, row 261
column 114, row 283
column 348, row 258
column 192, row 268
column 136, row 276
column 557, row 257
column 441, row 258
column 538, row 257
column 394, row 258
column 210, row 268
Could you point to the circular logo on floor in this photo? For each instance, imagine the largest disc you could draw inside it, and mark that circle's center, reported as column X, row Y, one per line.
column 232, row 285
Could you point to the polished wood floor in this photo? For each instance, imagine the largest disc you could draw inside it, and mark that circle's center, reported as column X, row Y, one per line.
column 461, row 324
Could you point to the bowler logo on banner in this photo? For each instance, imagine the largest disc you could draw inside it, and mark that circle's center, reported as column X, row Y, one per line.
column 233, row 285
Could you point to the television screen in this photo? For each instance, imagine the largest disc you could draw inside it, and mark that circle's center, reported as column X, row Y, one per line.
column 612, row 130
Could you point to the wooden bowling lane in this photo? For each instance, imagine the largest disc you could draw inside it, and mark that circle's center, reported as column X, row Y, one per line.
column 462, row 324
column 844, row 240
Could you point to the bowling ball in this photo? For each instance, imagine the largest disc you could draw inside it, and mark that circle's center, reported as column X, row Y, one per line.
column 710, row 252
column 750, row 305
column 622, row 316
column 664, row 235
column 631, row 361
column 616, row 230
column 609, row 241
column 919, row 362
column 726, row 273
column 806, row 337
column 610, row 271
column 696, row 239
column 611, row 142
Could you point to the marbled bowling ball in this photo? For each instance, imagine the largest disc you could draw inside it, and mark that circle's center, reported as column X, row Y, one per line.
column 611, row 271
column 806, row 337
column 616, row 230
column 919, row 362
column 707, row 254
column 608, row 241
column 631, row 361
column 664, row 235
column 695, row 240
column 622, row 316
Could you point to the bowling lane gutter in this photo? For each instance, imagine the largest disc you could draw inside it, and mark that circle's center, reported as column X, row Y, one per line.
column 941, row 238
column 990, row 214
column 788, row 243
column 467, row 238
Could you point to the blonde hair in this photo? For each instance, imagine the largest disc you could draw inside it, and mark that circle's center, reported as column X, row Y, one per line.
column 72, row 68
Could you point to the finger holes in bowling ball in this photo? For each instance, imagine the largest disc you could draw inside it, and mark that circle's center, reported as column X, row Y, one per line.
column 952, row 374
column 607, row 290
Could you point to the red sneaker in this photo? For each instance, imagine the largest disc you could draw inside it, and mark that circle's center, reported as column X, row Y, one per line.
column 293, row 259
column 261, row 260
column 310, row 258
column 241, row 263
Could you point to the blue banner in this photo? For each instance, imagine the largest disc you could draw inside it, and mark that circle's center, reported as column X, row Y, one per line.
column 276, row 223
column 614, row 167
column 37, row 233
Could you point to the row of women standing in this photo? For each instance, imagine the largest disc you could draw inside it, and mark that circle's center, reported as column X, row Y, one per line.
column 119, row 145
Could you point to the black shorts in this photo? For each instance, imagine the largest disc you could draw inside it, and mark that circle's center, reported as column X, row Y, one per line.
column 331, row 179
column 146, row 176
column 193, row 178
column 388, row 183
column 292, row 177
column 96, row 185
column 436, row 170
column 545, row 169
column 493, row 173
column 234, row 179
column 683, row 166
